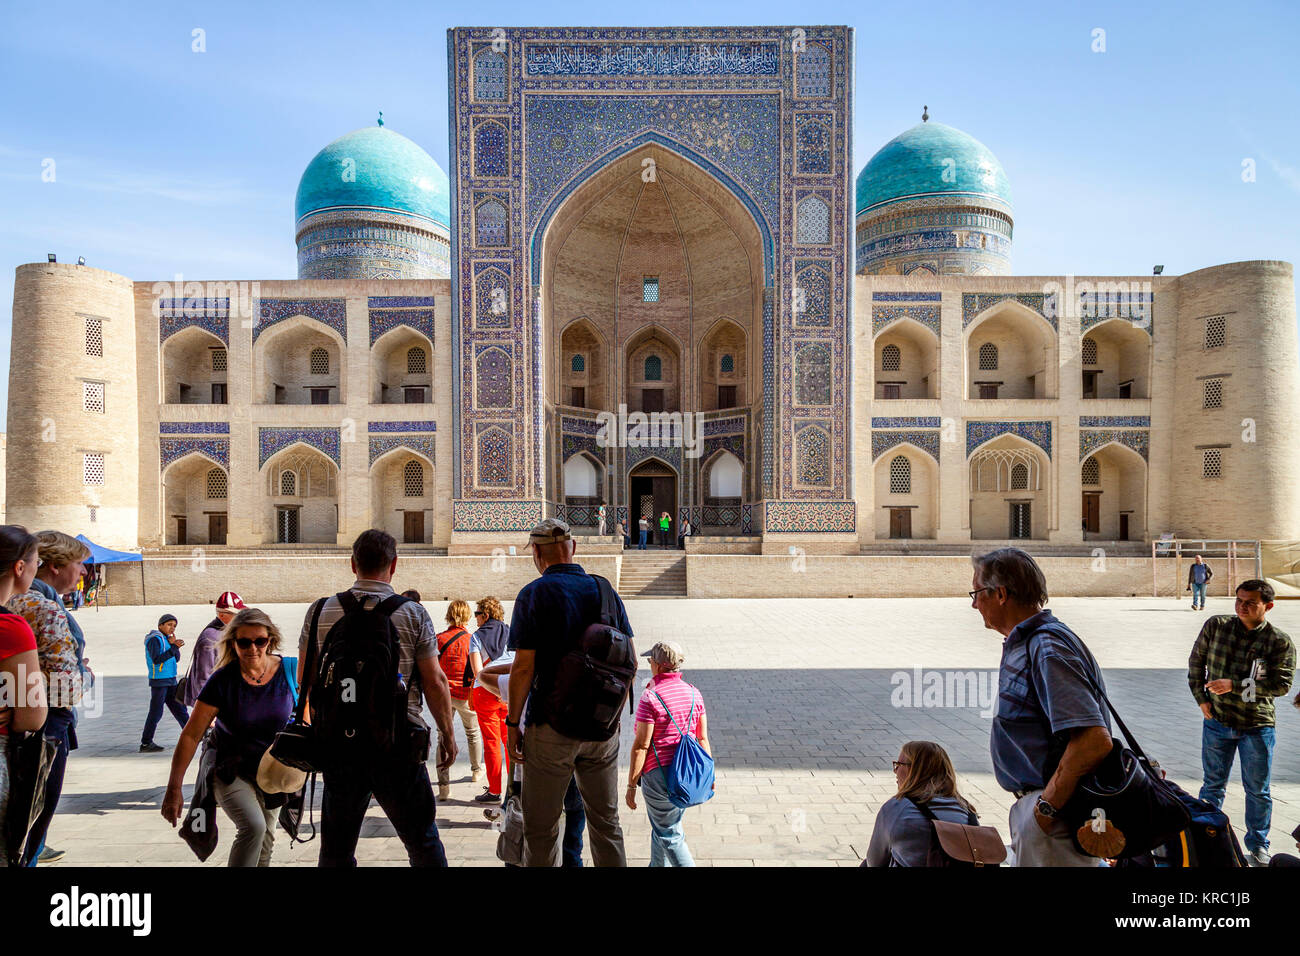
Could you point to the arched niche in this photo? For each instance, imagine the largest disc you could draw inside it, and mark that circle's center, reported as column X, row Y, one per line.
column 300, row 497
column 723, row 373
column 906, row 484
column 194, row 368
column 1119, row 506
column 401, row 368
column 402, row 495
column 907, row 361
column 195, row 493
column 284, row 372
column 1010, row 486
column 1026, row 348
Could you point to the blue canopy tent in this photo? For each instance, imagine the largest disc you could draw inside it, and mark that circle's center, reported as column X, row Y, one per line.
column 100, row 555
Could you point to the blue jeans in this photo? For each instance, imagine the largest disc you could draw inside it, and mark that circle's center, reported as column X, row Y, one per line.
column 641, row 546
column 1198, row 594
column 667, row 842
column 59, row 724
column 402, row 788
column 1219, row 744
column 160, row 695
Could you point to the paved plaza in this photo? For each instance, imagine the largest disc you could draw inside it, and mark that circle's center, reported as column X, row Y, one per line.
column 800, row 717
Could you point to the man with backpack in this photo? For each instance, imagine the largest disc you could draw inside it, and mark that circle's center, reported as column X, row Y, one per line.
column 365, row 657
column 574, row 667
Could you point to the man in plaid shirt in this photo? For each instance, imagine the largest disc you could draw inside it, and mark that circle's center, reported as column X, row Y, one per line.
column 1239, row 664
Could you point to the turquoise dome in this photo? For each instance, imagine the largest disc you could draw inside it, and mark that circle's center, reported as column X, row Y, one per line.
column 391, row 173
column 914, row 162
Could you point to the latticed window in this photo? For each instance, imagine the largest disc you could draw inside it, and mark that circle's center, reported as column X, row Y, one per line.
column 94, row 336
column 891, row 358
column 94, row 515
column 1213, row 393
column 218, row 360
column 92, row 397
column 988, row 357
column 416, row 362
column 92, row 468
column 1019, row 478
column 490, row 75
column 1089, row 351
column 288, row 483
column 900, row 476
column 650, row 289
column 578, row 364
column 413, row 480
column 1212, row 463
column 1092, row 472
column 727, row 364
column 216, row 483
column 1216, row 327
column 654, row 369
column 320, row 362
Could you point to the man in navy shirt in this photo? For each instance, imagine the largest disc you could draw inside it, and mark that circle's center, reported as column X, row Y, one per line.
column 1051, row 727
column 550, row 615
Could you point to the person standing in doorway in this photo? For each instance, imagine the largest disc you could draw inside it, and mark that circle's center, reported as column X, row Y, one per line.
column 665, row 526
column 1238, row 665
column 645, row 532
column 1198, row 576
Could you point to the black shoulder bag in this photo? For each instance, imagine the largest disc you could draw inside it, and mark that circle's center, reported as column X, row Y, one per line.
column 295, row 745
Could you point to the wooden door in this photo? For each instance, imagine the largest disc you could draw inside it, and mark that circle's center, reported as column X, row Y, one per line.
column 413, row 527
column 900, row 522
column 652, row 400
column 1091, row 512
column 181, row 531
column 1123, row 527
column 217, row 529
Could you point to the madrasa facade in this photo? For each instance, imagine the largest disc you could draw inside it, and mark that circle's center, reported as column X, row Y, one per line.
column 651, row 280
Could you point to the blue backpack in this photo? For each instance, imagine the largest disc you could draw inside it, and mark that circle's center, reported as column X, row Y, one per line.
column 690, row 775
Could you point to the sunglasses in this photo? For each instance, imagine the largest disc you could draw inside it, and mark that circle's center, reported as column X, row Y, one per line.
column 480, row 613
column 244, row 643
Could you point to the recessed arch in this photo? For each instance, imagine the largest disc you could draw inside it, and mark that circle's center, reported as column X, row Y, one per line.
column 910, row 511
column 391, row 380
column 1027, row 348
column 186, row 512
column 188, row 375
column 1118, row 507
column 999, row 510
column 282, row 363
column 916, row 374
column 1122, row 366
column 310, row 513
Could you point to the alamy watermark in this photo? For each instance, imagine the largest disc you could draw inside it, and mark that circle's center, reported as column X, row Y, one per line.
column 624, row 429
column 962, row 689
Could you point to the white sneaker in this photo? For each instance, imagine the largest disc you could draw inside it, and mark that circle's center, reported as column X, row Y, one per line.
column 475, row 776
column 1259, row 857
column 444, row 791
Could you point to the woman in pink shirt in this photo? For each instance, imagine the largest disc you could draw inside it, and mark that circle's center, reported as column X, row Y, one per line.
column 667, row 698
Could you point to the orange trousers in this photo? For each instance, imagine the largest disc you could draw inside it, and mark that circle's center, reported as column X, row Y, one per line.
column 492, row 725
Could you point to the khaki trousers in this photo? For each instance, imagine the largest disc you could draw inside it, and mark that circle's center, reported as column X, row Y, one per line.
column 550, row 760
column 469, row 720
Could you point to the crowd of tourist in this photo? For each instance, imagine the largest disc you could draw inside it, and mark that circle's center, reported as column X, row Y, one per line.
column 547, row 786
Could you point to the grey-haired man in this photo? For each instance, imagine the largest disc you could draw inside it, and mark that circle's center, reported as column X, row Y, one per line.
column 550, row 615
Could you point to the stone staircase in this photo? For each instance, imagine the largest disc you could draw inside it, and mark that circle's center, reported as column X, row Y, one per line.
column 653, row 574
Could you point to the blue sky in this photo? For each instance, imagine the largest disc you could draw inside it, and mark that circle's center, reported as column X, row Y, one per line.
column 169, row 161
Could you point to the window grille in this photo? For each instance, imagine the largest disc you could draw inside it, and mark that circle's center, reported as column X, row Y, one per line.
column 288, row 483
column 988, row 357
column 1092, row 472
column 1212, row 463
column 218, row 360
column 320, row 362
column 1216, row 327
column 95, row 336
column 92, row 468
column 900, row 476
column 1019, row 478
column 650, row 289
column 890, row 358
column 1089, row 351
column 216, row 483
column 413, row 479
column 1213, row 393
column 92, row 397
column 416, row 363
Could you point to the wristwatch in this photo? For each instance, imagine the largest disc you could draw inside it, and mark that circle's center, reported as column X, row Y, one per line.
column 1045, row 808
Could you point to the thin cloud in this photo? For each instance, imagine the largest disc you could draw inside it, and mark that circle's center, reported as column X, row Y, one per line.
column 1289, row 175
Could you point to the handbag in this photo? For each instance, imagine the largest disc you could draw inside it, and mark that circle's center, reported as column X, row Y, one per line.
column 510, row 843
column 30, row 756
column 966, row 844
column 689, row 778
column 295, row 746
column 1123, row 807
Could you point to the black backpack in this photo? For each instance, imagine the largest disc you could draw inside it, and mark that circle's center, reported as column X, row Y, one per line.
column 595, row 677
column 358, row 694
column 1208, row 843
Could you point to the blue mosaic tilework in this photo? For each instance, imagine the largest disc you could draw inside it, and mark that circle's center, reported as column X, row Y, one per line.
column 572, row 444
column 173, row 449
column 724, row 426
column 769, row 395
column 400, row 302
column 272, row 440
column 385, row 444
column 812, row 221
column 906, row 296
column 580, row 426
column 812, row 455
column 1091, row 440
column 491, row 149
column 665, row 59
column 906, row 422
column 212, row 315
column 1114, row 421
column 746, row 519
column 489, row 74
column 812, row 374
column 385, row 320
column 331, row 312
column 491, row 223
column 980, row 246
column 672, row 456
column 491, row 307
column 496, row 515
column 402, row 427
column 927, row 441
column 1039, row 433
column 492, row 375
column 926, row 315
column 194, row 428
column 495, row 459
column 812, row 71
column 812, row 297
column 1100, row 305
column 791, row 517
column 732, row 443
column 973, row 303
column 813, row 143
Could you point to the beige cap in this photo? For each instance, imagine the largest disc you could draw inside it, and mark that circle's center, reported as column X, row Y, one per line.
column 549, row 531
column 667, row 654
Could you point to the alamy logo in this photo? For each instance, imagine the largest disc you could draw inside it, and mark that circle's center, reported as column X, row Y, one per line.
column 74, row 909
column 918, row 688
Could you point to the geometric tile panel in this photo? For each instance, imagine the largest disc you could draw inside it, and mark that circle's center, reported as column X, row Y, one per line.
column 218, row 449
column 973, row 303
column 927, row 441
column 194, row 428
column 724, row 426
column 331, row 312
column 386, row 443
column 906, row 422
column 1114, row 421
column 1038, row 433
column 1137, row 307
column 382, row 320
column 1092, row 439
column 496, row 515
column 782, row 517
column 373, row 427
column 732, row 443
column 212, row 315
column 926, row 315
column 573, row 444
column 272, row 440
column 906, row 296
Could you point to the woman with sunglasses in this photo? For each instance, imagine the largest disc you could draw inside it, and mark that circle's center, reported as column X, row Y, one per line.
column 250, row 696
column 903, row 835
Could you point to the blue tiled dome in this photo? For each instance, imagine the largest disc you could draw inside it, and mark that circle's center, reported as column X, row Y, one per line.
column 391, row 173
column 913, row 164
